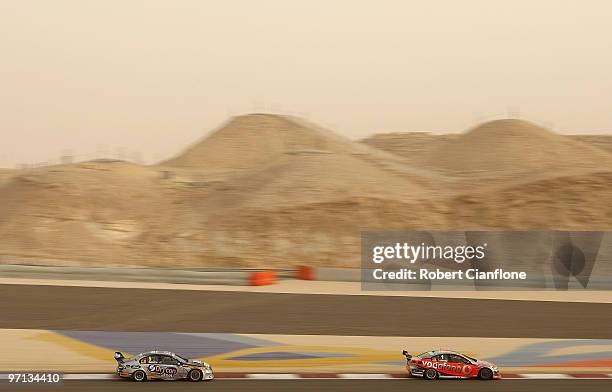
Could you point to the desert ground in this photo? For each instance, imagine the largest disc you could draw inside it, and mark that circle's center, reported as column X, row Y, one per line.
column 269, row 190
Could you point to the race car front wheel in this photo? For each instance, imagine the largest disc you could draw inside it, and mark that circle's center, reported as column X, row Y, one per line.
column 485, row 374
column 194, row 375
column 139, row 376
column 430, row 374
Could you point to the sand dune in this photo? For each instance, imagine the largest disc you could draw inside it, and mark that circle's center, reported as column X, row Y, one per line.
column 414, row 146
column 314, row 177
column 5, row 175
column 252, row 140
column 98, row 212
column 174, row 213
column 514, row 147
column 267, row 160
column 275, row 191
column 603, row 142
column 578, row 202
column 417, row 146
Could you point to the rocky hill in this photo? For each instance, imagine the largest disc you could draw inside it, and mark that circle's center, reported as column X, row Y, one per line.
column 275, row 191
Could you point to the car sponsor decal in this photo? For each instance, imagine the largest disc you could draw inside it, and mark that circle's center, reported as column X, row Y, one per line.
column 170, row 371
column 442, row 366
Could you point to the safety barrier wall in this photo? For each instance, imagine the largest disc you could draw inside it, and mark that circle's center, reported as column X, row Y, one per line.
column 258, row 277
column 162, row 275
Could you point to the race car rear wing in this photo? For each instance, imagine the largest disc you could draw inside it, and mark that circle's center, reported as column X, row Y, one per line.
column 407, row 355
column 119, row 357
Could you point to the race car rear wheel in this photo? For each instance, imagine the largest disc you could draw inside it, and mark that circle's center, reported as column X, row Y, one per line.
column 485, row 374
column 430, row 374
column 194, row 375
column 139, row 376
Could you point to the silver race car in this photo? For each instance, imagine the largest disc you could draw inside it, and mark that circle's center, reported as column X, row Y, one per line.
column 162, row 365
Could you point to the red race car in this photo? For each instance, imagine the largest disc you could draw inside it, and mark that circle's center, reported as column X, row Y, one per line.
column 449, row 364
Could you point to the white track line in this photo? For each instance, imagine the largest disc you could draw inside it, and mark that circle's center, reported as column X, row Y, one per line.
column 365, row 376
column 85, row 376
column 544, row 376
column 273, row 376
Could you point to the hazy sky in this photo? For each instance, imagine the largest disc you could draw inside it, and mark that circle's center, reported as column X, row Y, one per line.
column 153, row 75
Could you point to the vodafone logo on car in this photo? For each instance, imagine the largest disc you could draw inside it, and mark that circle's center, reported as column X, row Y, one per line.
column 465, row 369
column 442, row 365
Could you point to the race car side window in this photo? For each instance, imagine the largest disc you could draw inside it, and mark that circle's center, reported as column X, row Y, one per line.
column 168, row 360
column 458, row 359
column 153, row 359
column 144, row 360
column 442, row 357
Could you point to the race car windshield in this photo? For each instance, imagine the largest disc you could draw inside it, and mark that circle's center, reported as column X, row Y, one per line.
column 181, row 358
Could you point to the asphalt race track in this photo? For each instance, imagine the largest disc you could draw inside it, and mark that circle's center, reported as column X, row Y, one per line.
column 86, row 308
column 331, row 385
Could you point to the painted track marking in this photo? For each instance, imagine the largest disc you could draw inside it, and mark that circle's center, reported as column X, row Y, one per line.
column 365, row 376
column 93, row 376
column 273, row 376
column 549, row 376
